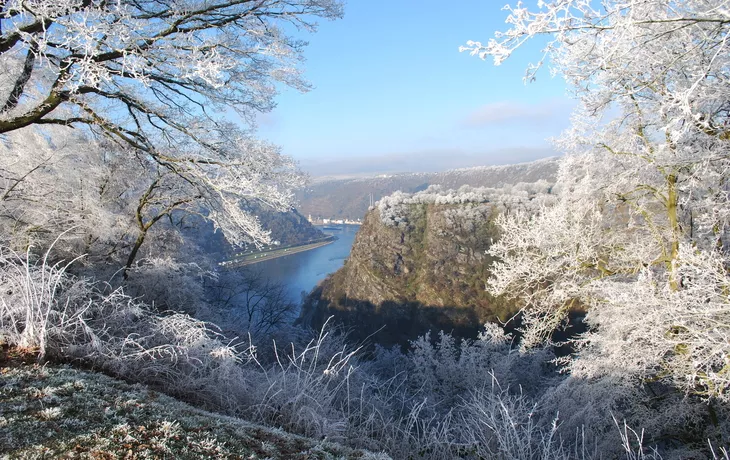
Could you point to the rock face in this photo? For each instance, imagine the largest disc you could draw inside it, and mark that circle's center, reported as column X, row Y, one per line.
column 428, row 271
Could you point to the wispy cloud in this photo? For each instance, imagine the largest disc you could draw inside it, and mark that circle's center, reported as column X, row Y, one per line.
column 506, row 112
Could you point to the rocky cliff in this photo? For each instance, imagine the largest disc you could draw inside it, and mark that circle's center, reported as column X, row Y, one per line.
column 419, row 263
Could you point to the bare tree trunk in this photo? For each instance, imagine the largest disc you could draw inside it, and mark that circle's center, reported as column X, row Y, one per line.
column 133, row 254
column 22, row 80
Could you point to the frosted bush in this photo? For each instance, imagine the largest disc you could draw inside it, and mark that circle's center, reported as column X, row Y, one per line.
column 168, row 283
column 503, row 425
column 443, row 399
column 395, row 210
column 470, row 399
column 42, row 307
column 305, row 391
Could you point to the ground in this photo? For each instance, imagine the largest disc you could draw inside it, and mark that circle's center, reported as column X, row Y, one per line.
column 56, row 411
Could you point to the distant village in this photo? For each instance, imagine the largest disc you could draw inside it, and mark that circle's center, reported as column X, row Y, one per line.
column 325, row 221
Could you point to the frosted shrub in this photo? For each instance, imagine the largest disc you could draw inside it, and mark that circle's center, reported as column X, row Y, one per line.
column 44, row 308
column 422, row 404
column 473, row 399
column 38, row 302
column 499, row 424
column 305, row 391
column 395, row 209
column 487, row 400
column 448, row 370
column 430, row 402
column 167, row 283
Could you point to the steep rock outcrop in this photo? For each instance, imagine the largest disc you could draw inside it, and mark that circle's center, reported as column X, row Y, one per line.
column 426, row 272
column 420, row 263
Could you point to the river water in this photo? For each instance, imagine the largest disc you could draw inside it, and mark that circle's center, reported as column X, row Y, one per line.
column 302, row 271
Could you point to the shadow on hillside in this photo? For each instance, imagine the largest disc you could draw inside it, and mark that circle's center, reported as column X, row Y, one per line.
column 390, row 323
column 398, row 323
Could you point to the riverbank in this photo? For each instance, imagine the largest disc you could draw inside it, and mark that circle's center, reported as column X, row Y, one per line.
column 317, row 221
column 261, row 256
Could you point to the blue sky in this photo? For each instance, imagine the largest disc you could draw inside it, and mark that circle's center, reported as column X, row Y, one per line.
column 393, row 93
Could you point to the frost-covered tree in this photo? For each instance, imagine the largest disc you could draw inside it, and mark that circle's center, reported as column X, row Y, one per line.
column 639, row 235
column 164, row 78
column 54, row 181
column 395, row 209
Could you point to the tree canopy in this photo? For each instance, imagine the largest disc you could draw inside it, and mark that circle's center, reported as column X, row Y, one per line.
column 176, row 83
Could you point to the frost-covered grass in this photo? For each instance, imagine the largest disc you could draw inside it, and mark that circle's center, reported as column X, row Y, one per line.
column 60, row 412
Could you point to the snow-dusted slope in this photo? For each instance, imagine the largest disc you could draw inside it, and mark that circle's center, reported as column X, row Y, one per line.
column 58, row 411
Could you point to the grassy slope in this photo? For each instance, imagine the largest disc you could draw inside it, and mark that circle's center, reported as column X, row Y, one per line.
column 55, row 411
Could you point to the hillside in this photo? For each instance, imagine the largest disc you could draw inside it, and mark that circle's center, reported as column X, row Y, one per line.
column 350, row 198
column 418, row 263
column 60, row 412
column 288, row 228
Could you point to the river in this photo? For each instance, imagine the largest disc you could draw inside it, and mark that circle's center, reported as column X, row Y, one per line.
column 302, row 271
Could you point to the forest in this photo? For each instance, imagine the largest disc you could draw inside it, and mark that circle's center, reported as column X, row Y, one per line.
column 128, row 150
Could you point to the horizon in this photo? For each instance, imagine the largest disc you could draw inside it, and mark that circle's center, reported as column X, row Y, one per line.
column 377, row 174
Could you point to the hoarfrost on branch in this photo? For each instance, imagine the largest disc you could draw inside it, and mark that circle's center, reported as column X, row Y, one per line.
column 163, row 79
column 639, row 233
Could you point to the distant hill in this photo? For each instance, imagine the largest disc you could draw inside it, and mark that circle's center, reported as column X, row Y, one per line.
column 350, row 198
column 288, row 228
